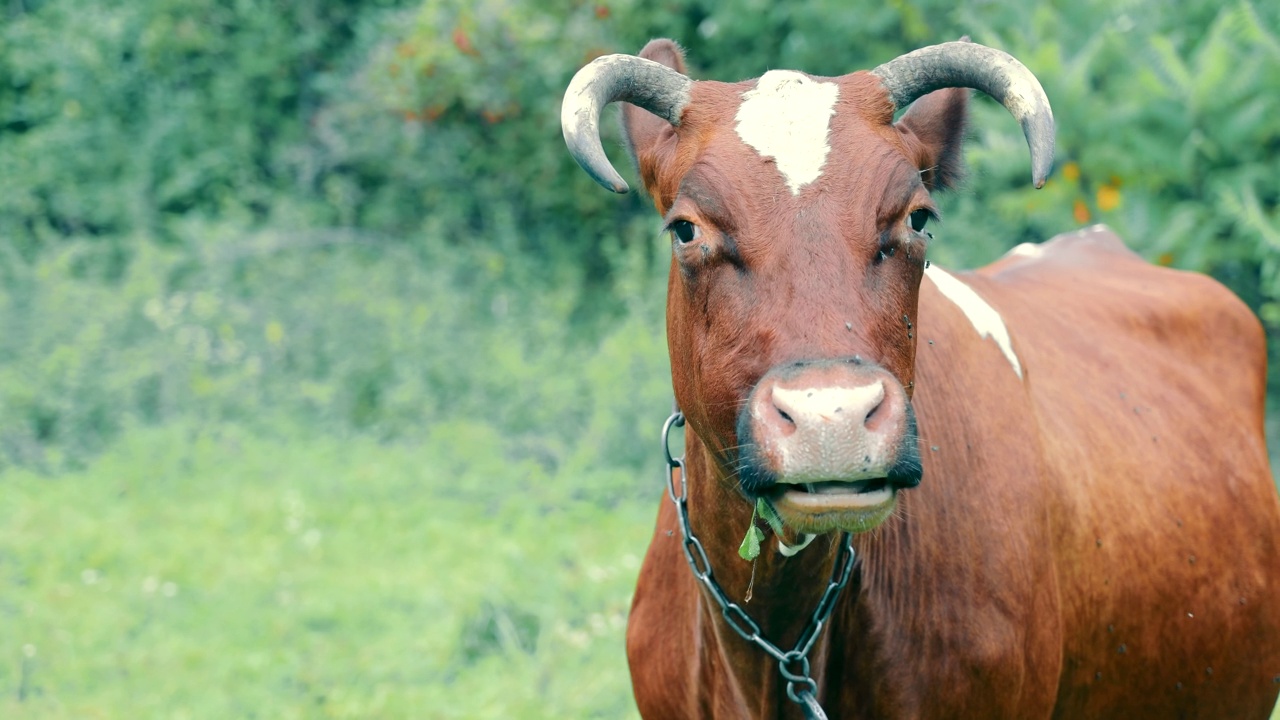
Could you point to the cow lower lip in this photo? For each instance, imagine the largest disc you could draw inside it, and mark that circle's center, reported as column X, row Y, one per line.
column 835, row 505
column 836, row 495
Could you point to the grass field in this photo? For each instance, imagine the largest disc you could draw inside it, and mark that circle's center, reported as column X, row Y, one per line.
column 220, row 574
column 217, row 574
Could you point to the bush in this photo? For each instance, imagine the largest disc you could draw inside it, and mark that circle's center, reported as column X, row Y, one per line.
column 386, row 340
column 361, row 215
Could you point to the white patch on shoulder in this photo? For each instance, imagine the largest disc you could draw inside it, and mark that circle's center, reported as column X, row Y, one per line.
column 785, row 117
column 985, row 319
column 1027, row 250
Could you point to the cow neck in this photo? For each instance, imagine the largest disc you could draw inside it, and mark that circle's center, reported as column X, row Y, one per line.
column 785, row 590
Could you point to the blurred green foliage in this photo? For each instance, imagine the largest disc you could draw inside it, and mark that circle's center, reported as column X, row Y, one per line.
column 350, row 230
column 236, row 209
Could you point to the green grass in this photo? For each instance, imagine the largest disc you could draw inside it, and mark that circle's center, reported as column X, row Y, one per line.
column 218, row 574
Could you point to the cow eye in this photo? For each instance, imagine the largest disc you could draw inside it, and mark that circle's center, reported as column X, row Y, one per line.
column 918, row 219
column 684, row 231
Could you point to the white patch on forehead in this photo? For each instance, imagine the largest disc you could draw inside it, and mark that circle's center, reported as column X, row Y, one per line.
column 985, row 319
column 785, row 117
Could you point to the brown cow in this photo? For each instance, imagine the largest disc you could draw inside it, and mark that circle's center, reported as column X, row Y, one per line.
column 1055, row 465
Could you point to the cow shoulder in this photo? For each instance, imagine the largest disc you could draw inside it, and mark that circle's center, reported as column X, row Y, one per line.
column 1084, row 291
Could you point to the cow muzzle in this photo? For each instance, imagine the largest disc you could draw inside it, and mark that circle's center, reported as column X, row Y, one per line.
column 828, row 443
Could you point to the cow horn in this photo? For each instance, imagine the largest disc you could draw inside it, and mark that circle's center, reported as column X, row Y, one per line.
column 996, row 73
column 645, row 83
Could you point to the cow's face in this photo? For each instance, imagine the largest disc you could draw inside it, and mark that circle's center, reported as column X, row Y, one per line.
column 797, row 211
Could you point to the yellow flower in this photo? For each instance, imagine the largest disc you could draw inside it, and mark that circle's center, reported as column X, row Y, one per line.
column 1108, row 198
column 1071, row 172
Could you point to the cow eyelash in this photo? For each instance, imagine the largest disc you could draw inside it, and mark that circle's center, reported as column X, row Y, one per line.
column 683, row 231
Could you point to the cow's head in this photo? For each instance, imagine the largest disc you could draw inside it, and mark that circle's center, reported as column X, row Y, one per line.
column 797, row 211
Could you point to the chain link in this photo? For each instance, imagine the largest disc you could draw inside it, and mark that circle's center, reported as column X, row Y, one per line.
column 793, row 665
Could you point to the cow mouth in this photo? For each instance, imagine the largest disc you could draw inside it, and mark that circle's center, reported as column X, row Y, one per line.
column 853, row 505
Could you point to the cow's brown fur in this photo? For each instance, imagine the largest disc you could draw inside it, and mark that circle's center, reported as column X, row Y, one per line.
column 1096, row 538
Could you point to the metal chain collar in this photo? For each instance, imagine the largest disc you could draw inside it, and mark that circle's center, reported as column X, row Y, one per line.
column 793, row 664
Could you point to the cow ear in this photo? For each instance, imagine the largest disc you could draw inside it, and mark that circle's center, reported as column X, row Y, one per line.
column 934, row 128
column 646, row 133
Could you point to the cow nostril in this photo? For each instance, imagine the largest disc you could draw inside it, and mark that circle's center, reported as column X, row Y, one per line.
column 875, row 413
column 782, row 403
